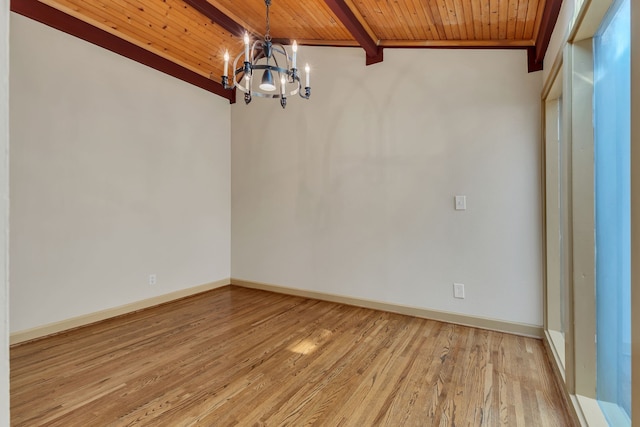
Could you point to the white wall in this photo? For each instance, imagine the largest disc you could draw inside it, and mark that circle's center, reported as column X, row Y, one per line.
column 351, row 193
column 117, row 171
column 4, row 212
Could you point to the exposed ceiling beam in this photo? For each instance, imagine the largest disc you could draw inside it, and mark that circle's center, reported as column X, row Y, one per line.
column 535, row 55
column 357, row 30
column 217, row 16
column 54, row 18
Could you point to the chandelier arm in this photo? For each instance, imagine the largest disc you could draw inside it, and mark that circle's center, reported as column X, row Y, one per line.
column 280, row 49
column 237, row 71
column 257, row 45
column 277, row 68
column 307, row 93
column 277, row 47
column 296, row 82
column 259, row 94
column 274, row 68
column 287, row 72
column 307, row 90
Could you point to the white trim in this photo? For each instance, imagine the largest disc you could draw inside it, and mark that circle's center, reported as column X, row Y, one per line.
column 523, row 329
column 4, row 212
column 555, row 339
column 588, row 409
column 76, row 322
column 554, row 78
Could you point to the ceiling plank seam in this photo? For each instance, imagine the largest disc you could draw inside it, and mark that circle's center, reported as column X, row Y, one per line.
column 358, row 31
column 54, row 18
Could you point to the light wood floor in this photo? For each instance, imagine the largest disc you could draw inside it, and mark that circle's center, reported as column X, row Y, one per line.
column 236, row 356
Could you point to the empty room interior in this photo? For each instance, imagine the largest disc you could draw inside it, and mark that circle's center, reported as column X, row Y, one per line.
column 327, row 212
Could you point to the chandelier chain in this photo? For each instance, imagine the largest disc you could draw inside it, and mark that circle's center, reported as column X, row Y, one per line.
column 267, row 36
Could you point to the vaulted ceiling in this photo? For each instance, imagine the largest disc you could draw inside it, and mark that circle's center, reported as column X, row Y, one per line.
column 187, row 38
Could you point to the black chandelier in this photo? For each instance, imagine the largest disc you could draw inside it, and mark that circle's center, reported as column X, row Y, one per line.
column 263, row 55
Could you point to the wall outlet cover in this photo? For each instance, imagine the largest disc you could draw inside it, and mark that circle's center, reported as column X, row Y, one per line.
column 461, row 203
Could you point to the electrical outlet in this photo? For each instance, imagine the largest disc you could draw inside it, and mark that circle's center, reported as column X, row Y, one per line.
column 458, row 290
column 152, row 279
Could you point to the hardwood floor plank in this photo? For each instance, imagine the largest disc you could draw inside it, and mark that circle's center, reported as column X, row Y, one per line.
column 236, row 356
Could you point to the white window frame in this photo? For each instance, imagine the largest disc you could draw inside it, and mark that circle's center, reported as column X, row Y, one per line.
column 573, row 67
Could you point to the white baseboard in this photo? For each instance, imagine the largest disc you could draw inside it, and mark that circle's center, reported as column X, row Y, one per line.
column 477, row 322
column 443, row 316
column 75, row 322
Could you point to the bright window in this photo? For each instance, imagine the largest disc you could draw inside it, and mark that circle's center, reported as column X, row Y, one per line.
column 612, row 212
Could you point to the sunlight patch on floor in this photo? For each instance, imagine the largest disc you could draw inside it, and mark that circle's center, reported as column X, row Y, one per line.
column 309, row 345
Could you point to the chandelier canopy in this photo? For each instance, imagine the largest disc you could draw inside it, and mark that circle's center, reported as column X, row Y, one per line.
column 272, row 58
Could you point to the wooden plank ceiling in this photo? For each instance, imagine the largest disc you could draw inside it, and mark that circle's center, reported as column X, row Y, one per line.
column 191, row 35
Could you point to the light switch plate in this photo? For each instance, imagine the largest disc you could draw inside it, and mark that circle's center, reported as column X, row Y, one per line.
column 461, row 203
column 458, row 290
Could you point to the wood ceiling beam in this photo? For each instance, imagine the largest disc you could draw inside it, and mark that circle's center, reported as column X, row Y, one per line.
column 217, row 16
column 357, row 30
column 54, row 18
column 535, row 54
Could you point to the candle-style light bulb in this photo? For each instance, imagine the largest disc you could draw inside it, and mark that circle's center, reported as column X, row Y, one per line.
column 282, row 83
column 295, row 53
column 226, row 63
column 246, row 47
column 307, row 70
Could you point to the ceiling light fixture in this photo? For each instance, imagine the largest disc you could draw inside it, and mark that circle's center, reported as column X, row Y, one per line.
column 263, row 55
